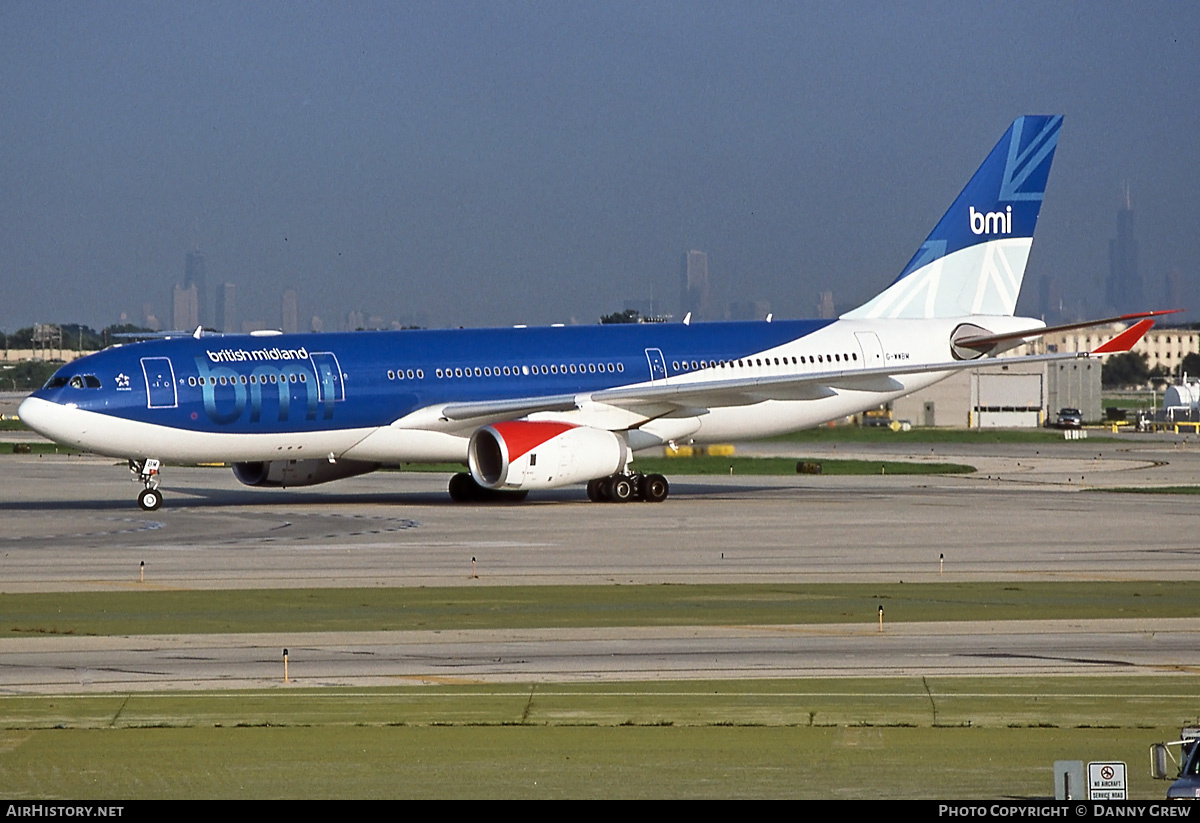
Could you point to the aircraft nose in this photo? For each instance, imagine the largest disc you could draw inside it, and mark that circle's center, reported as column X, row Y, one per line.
column 39, row 415
column 27, row 412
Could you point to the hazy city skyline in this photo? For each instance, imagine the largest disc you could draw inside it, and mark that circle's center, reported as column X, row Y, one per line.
column 497, row 163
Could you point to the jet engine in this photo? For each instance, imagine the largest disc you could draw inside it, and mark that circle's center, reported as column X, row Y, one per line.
column 524, row 454
column 284, row 473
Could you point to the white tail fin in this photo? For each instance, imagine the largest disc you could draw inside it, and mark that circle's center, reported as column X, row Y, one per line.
column 974, row 259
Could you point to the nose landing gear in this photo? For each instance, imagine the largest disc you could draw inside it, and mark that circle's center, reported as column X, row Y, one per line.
column 147, row 471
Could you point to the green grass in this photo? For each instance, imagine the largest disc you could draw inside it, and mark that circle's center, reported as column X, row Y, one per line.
column 855, row 434
column 787, row 465
column 38, row 447
column 1133, row 400
column 865, row 738
column 1152, row 490
column 9, row 424
column 752, row 466
column 520, row 607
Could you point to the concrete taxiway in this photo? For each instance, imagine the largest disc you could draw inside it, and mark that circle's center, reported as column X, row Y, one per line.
column 38, row 665
column 1031, row 512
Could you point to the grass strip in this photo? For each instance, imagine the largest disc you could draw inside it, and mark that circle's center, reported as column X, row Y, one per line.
column 787, row 465
column 881, row 434
column 853, row 738
column 753, row 466
column 1151, row 490
column 495, row 607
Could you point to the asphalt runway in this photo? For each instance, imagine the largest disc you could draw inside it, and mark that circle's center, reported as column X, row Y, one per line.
column 40, row 665
column 1030, row 513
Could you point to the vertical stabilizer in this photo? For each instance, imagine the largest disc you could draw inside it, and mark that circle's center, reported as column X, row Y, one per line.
column 974, row 259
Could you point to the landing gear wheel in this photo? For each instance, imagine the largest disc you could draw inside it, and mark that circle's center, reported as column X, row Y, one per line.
column 150, row 499
column 147, row 472
column 604, row 489
column 595, row 491
column 621, row 489
column 655, row 488
column 463, row 488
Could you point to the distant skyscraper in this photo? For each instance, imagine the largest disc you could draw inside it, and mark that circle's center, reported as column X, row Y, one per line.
column 195, row 275
column 150, row 319
column 695, row 295
column 185, row 311
column 1050, row 299
column 748, row 309
column 226, row 319
column 291, row 312
column 1124, row 280
column 825, row 310
column 1174, row 290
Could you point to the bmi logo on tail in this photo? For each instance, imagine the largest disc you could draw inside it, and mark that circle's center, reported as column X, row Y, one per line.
column 994, row 222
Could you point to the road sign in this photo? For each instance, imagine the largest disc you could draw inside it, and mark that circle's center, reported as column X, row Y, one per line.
column 1106, row 781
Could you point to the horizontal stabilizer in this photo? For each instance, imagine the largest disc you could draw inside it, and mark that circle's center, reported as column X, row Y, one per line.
column 985, row 343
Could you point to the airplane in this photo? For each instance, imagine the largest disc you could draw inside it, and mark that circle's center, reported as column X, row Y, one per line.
column 540, row 408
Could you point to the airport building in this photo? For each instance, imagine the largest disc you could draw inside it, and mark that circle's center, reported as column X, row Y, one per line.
column 1162, row 347
column 1006, row 395
column 1029, row 395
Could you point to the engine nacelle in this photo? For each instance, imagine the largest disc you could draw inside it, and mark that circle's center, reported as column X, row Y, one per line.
column 284, row 473
column 525, row 454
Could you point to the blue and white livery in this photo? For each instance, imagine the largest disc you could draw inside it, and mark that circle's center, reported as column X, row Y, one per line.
column 535, row 408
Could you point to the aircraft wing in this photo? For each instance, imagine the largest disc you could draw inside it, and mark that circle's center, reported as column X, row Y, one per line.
column 703, row 393
column 744, row 391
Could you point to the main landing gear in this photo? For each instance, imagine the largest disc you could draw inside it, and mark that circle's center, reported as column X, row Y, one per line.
column 147, row 470
column 621, row 488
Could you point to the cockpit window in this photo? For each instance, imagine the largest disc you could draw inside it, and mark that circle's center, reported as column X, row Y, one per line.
column 75, row 381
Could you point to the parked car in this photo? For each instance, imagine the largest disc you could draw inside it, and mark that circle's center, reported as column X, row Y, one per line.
column 1069, row 419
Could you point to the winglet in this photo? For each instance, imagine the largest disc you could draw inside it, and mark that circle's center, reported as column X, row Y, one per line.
column 1127, row 339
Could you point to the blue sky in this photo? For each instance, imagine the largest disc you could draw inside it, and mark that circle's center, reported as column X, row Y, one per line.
column 537, row 162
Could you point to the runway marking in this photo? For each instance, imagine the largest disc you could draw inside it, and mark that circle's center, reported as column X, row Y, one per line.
column 134, row 584
column 140, row 526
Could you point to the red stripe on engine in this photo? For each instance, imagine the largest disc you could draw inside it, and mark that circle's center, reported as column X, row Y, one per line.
column 522, row 436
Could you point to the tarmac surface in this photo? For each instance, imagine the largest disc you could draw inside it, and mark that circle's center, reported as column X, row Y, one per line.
column 1031, row 512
